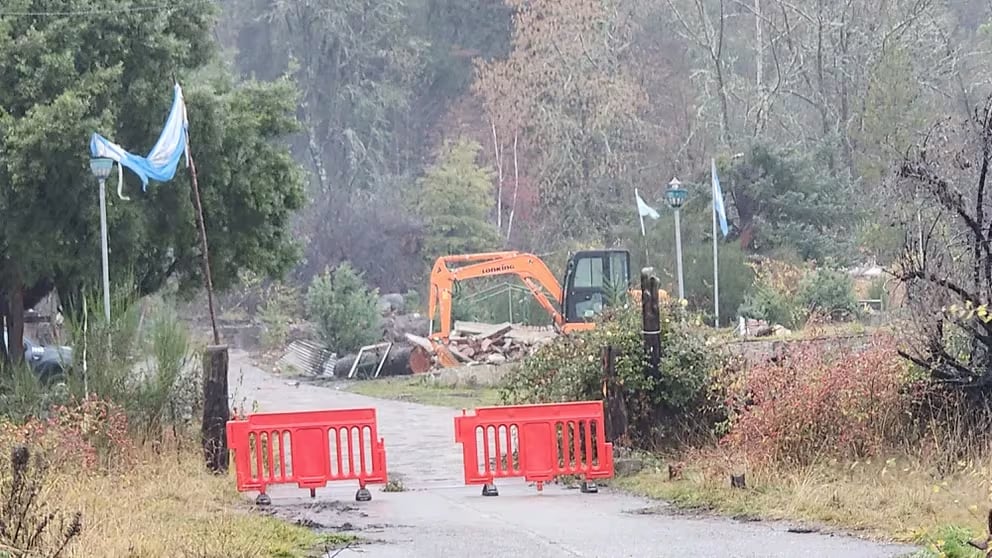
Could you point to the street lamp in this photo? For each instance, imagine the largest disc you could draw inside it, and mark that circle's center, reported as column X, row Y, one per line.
column 676, row 196
column 101, row 167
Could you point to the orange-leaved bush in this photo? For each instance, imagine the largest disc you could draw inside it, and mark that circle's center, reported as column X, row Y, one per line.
column 92, row 433
column 814, row 402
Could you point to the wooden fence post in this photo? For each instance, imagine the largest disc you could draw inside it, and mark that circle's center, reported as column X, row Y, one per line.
column 651, row 320
column 615, row 410
column 216, row 408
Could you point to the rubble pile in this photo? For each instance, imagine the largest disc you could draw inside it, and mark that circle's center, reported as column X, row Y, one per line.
column 495, row 344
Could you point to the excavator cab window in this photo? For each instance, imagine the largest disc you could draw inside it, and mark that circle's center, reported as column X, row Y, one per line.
column 591, row 279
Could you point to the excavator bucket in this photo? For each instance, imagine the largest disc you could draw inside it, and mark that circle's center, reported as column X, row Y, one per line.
column 444, row 356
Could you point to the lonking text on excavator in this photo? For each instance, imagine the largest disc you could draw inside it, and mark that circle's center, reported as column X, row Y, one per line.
column 590, row 278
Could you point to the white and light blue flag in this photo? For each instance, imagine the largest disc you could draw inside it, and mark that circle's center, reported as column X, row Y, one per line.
column 718, row 207
column 161, row 162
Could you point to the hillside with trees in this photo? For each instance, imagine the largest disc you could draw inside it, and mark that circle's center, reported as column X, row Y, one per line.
column 576, row 103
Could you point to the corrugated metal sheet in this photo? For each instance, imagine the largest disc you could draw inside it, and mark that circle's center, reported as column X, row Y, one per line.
column 307, row 357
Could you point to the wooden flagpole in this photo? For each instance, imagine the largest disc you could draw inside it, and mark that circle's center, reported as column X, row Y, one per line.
column 207, row 280
column 216, row 406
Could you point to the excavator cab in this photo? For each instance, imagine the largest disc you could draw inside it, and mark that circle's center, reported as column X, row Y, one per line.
column 593, row 279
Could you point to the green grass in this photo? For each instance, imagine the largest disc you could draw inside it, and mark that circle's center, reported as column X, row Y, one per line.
column 947, row 541
column 894, row 499
column 428, row 391
column 337, row 540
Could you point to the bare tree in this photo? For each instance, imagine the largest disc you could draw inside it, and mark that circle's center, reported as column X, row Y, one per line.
column 947, row 266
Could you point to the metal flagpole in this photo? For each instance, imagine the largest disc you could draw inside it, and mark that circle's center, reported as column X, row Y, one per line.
column 678, row 254
column 716, row 266
column 640, row 215
column 637, row 197
column 104, row 250
column 101, row 167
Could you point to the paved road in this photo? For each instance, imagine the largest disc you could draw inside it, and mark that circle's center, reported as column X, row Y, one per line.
column 438, row 516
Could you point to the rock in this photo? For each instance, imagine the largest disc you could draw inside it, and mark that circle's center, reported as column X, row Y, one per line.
column 628, row 466
column 392, row 303
column 495, row 358
column 399, row 326
column 764, row 331
column 780, row 331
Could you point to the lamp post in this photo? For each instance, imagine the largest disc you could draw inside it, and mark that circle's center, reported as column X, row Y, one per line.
column 101, row 167
column 676, row 196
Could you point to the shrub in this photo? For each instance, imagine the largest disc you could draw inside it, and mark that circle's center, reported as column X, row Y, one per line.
column 775, row 307
column 776, row 295
column 829, row 292
column 142, row 365
column 167, row 392
column 91, row 433
column 660, row 409
column 412, row 301
column 812, row 403
column 736, row 278
column 281, row 302
column 346, row 311
column 29, row 527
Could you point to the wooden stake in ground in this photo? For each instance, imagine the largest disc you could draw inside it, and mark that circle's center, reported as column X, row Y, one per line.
column 651, row 320
column 615, row 410
column 216, row 408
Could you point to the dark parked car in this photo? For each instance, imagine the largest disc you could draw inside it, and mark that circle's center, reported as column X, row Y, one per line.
column 49, row 362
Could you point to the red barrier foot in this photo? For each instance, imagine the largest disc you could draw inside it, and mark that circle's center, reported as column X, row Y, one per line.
column 589, row 487
column 489, row 490
column 313, row 492
column 363, row 495
column 263, row 500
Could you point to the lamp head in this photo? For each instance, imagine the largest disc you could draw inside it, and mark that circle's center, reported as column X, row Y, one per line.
column 101, row 167
column 676, row 194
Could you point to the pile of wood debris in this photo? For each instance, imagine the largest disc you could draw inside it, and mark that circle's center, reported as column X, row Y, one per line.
column 496, row 344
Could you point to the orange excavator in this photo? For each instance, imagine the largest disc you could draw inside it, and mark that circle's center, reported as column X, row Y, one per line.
column 589, row 280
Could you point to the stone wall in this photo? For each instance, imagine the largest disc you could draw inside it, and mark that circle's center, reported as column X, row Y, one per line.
column 760, row 350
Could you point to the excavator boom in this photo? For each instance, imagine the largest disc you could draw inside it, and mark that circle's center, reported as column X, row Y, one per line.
column 531, row 269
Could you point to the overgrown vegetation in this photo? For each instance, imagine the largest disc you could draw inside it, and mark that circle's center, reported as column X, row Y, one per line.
column 809, row 426
column 115, row 448
column 812, row 404
column 345, row 309
column 28, row 526
column 791, row 295
column 663, row 409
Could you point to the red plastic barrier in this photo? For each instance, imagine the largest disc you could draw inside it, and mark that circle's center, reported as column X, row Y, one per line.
column 309, row 448
column 536, row 442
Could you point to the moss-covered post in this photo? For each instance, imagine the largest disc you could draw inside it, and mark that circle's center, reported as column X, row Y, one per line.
column 216, row 408
column 651, row 320
column 615, row 410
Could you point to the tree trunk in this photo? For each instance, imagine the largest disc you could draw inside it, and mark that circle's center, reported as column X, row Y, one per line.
column 397, row 363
